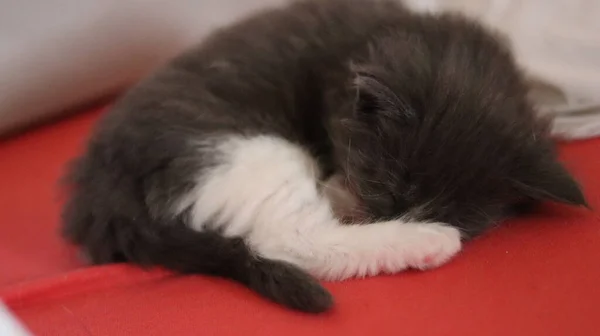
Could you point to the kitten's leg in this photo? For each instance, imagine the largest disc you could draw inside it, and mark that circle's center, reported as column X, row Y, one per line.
column 265, row 190
column 334, row 251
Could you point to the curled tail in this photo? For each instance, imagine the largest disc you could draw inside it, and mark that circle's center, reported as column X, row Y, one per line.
column 187, row 251
column 181, row 249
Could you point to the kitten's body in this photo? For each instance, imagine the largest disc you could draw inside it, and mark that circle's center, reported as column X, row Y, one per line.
column 417, row 125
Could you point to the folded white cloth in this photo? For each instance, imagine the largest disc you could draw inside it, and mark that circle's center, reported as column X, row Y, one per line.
column 9, row 324
column 58, row 53
column 55, row 54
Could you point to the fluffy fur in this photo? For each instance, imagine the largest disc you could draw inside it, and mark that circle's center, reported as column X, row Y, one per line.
column 330, row 138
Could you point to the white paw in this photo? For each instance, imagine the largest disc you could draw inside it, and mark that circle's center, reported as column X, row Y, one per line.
column 433, row 245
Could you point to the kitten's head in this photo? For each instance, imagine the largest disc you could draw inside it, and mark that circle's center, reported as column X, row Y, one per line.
column 442, row 130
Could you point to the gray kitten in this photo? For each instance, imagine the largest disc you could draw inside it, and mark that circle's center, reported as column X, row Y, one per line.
column 330, row 138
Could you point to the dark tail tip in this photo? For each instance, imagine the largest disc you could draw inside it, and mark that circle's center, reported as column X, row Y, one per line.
column 288, row 285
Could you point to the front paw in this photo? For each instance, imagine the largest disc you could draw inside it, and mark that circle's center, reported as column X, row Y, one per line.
column 434, row 245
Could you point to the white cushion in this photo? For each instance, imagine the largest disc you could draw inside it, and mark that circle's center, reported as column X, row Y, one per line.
column 55, row 54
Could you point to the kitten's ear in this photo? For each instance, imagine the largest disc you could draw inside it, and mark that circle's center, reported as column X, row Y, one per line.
column 551, row 181
column 375, row 98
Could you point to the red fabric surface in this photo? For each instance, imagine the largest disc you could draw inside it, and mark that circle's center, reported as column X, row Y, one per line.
column 30, row 167
column 534, row 276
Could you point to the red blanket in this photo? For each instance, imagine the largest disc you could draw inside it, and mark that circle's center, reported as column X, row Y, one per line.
column 538, row 275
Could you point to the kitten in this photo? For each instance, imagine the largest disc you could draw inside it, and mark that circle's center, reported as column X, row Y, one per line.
column 247, row 156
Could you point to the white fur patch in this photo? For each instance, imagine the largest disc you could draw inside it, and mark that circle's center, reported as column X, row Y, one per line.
column 266, row 190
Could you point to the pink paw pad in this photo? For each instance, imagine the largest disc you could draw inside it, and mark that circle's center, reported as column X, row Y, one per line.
column 428, row 259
